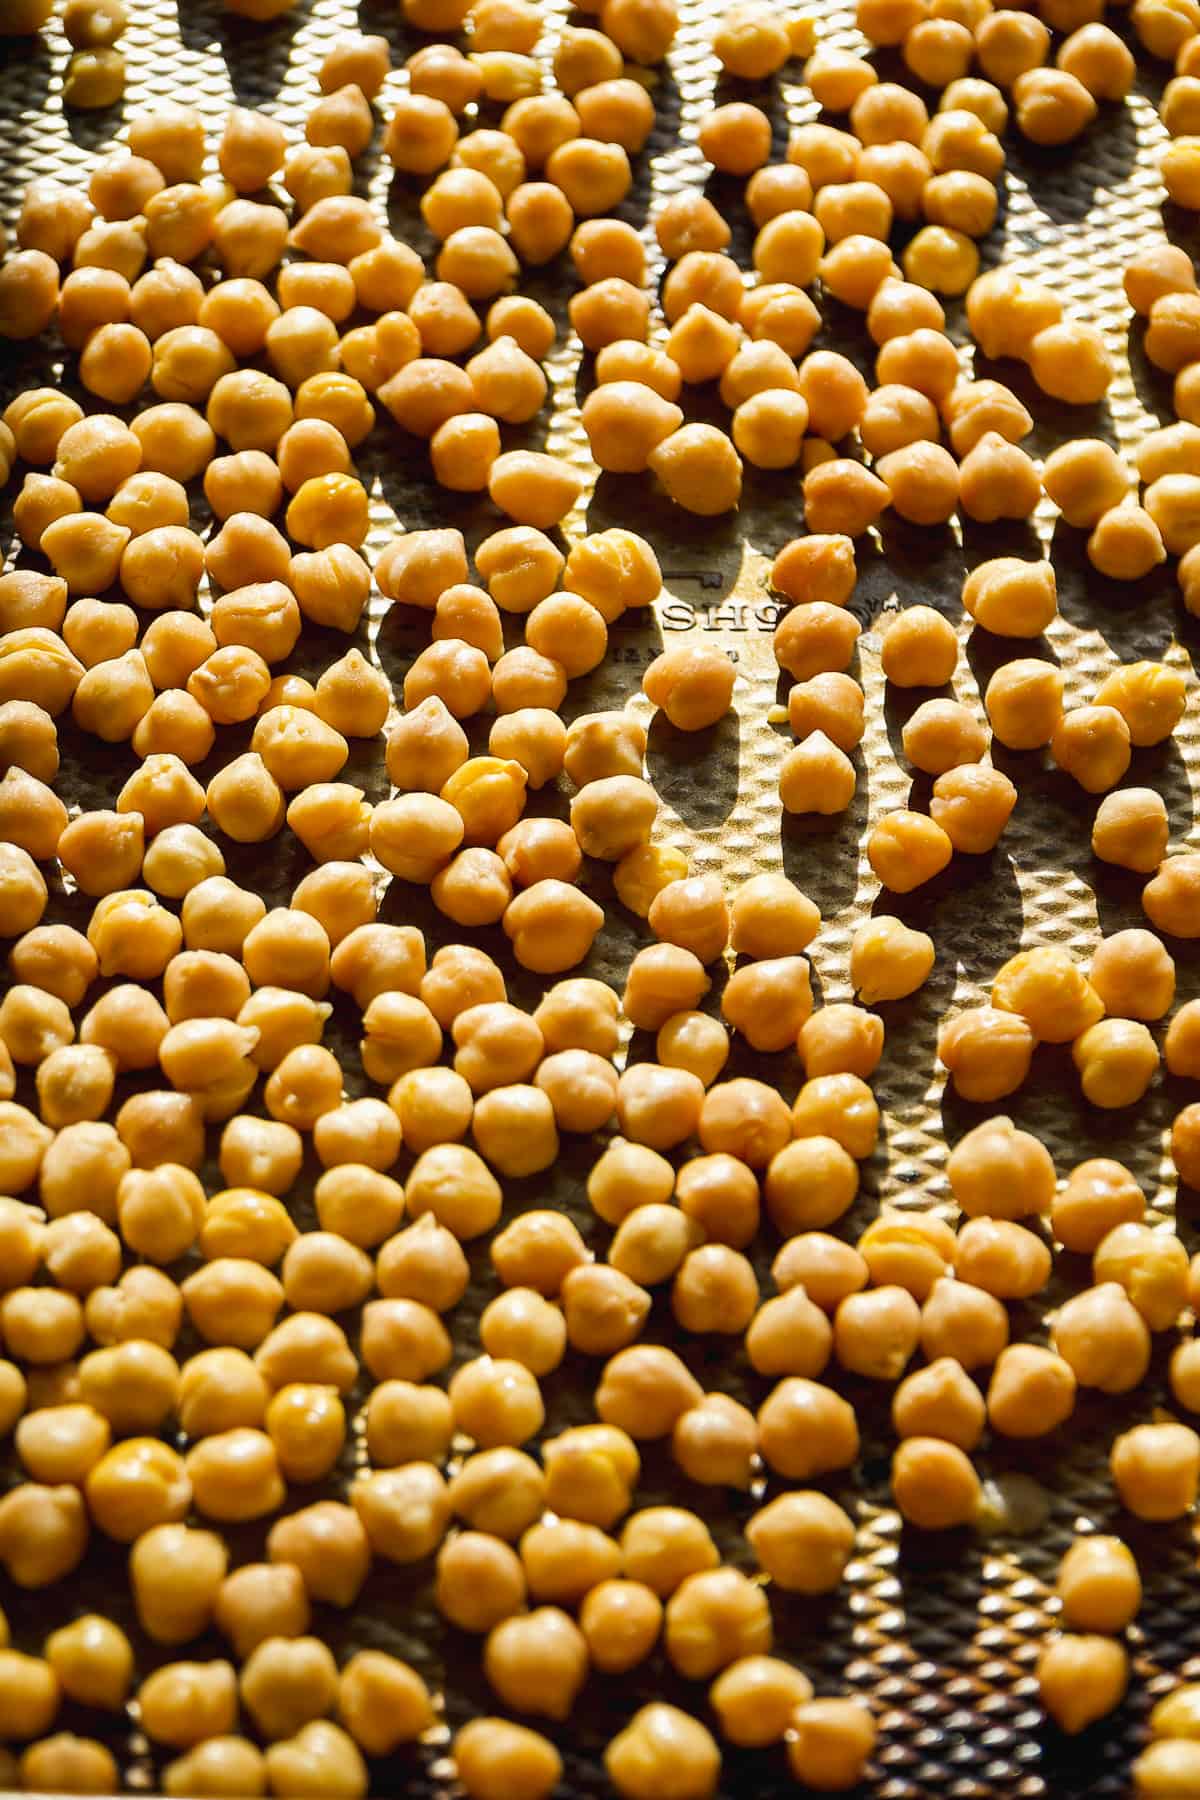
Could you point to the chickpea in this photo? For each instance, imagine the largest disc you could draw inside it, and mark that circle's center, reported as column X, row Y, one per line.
column 1031, row 1393
column 497, row 1760
column 1102, row 1335
column 451, row 1183
column 1165, row 1768
column 941, row 735
column 695, row 1042
column 604, row 1310
column 328, row 1545
column 1179, row 1047
column 987, row 1158
column 1085, row 479
column 1149, row 1265
column 236, row 1475
column 320, row 1756
column 713, row 1618
column 920, row 648
column 65, row 1763
column 1098, row 1585
column 661, row 1743
column 651, row 1244
column 537, row 1662
column 940, row 1401
column 714, row 1442
column 988, row 1052
column 220, row 1390
column 1166, row 898
column 144, row 1304
column 964, row 1323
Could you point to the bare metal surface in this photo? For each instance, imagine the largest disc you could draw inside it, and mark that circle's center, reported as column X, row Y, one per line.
column 940, row 1635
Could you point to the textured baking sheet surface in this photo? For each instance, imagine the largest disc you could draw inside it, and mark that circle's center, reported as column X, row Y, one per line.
column 939, row 1634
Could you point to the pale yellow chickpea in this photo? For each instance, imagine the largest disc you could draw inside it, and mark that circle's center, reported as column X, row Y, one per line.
column 284, row 1020
column 233, row 1280
column 1149, row 696
column 79, row 1253
column 651, row 1243
column 988, row 1052
column 1092, row 744
column 604, row 1310
column 144, row 1303
column 324, row 1273
column 434, row 1106
column 1085, row 479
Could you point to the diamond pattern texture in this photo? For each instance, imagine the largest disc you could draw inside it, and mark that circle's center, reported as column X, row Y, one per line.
column 941, row 1636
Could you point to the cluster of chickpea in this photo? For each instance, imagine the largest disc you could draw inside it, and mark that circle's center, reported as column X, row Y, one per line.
column 178, row 1360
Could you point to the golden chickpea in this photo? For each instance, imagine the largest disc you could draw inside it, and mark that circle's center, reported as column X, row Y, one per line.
column 987, row 1159
column 1031, row 1393
column 1179, row 1047
column 1091, row 743
column 1103, row 1337
column 1155, row 1469
column 139, row 1483
column 713, row 1618
column 920, row 648
column 875, row 1333
column 1151, row 1267
column 832, row 1743
column 537, row 1662
column 941, row 735
column 320, row 1756
column 144, row 1304
column 1167, row 1768
column 940, row 1401
column 663, row 1744
column 964, row 1323
column 907, row 849
column 604, row 1310
column 973, row 805
column 1167, row 898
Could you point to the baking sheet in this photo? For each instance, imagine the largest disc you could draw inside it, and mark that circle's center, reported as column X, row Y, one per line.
column 939, row 1634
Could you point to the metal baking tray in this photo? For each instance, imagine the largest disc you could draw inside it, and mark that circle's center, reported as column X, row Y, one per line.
column 940, row 1634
